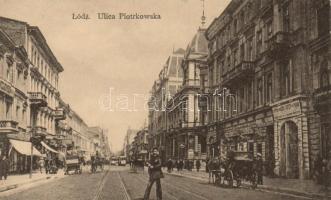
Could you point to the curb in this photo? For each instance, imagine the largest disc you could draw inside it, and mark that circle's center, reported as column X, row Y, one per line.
column 264, row 188
column 14, row 186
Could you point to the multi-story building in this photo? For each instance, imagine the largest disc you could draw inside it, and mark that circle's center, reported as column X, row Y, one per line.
column 168, row 84
column 141, row 141
column 14, row 103
column 270, row 65
column 43, row 76
column 38, row 80
column 129, row 138
column 100, row 140
column 186, row 138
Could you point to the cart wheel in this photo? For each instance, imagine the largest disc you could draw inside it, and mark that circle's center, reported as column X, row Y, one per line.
column 238, row 182
column 217, row 180
column 230, row 178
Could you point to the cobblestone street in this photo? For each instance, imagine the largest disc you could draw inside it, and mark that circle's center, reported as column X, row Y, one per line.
column 120, row 183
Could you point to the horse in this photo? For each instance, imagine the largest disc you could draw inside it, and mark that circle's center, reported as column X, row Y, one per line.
column 213, row 164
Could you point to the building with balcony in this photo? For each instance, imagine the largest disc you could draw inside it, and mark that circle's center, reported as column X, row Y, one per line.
column 269, row 63
column 42, row 79
column 186, row 135
column 129, row 138
column 14, row 109
column 141, row 142
column 165, row 87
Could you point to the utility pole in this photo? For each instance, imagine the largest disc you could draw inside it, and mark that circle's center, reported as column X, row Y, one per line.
column 31, row 156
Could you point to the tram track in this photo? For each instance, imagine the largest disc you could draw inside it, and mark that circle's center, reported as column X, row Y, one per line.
column 178, row 189
column 124, row 189
column 101, row 185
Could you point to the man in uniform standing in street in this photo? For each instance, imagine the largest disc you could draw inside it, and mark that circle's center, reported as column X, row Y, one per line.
column 155, row 175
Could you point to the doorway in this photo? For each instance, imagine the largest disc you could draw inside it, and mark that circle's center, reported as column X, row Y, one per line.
column 289, row 159
column 271, row 151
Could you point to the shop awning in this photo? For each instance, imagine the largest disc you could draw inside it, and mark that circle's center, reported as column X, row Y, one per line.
column 24, row 148
column 48, row 147
column 143, row 152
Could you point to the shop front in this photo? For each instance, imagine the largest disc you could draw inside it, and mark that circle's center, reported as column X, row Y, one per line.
column 19, row 155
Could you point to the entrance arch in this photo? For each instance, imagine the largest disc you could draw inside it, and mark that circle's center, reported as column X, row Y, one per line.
column 289, row 157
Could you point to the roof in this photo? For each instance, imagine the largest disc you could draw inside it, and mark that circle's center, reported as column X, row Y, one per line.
column 198, row 45
column 35, row 31
column 17, row 31
column 174, row 63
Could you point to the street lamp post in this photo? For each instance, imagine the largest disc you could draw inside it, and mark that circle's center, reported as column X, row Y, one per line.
column 31, row 158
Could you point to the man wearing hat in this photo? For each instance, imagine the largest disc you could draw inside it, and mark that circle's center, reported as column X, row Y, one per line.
column 155, row 174
column 259, row 168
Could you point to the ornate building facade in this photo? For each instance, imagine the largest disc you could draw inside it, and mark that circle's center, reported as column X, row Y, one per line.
column 168, row 84
column 272, row 58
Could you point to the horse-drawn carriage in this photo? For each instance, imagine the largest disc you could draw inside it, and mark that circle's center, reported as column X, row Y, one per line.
column 237, row 166
column 73, row 163
column 97, row 162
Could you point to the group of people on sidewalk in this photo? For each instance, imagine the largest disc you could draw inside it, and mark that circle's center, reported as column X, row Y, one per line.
column 180, row 165
column 322, row 172
column 50, row 165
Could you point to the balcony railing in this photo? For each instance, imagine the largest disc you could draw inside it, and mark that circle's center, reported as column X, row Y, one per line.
column 242, row 70
column 40, row 131
column 5, row 86
column 8, row 126
column 278, row 44
column 59, row 114
column 38, row 98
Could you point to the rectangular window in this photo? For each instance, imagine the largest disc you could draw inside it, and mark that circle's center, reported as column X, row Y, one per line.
column 17, row 112
column 286, row 18
column 286, row 83
column 269, row 29
column 228, row 62
column 259, row 92
column 235, row 57
column 269, row 87
column 235, row 26
column 242, row 52
column 241, row 99
column 259, row 42
column 250, row 95
column 250, row 49
column 250, row 146
column 323, row 20
column 325, row 140
column 8, row 108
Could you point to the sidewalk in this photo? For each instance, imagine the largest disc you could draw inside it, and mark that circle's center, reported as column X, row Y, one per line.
column 306, row 188
column 17, row 180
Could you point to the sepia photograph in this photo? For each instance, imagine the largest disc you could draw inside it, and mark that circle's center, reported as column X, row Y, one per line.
column 165, row 99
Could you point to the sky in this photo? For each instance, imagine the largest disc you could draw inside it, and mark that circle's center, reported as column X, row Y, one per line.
column 110, row 65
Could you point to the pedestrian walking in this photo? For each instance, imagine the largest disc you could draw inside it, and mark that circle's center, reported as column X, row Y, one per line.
column 325, row 174
column 155, row 175
column 177, row 165
column 197, row 165
column 4, row 167
column 169, row 165
column 172, row 165
column 259, row 168
column 181, row 164
column 41, row 164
